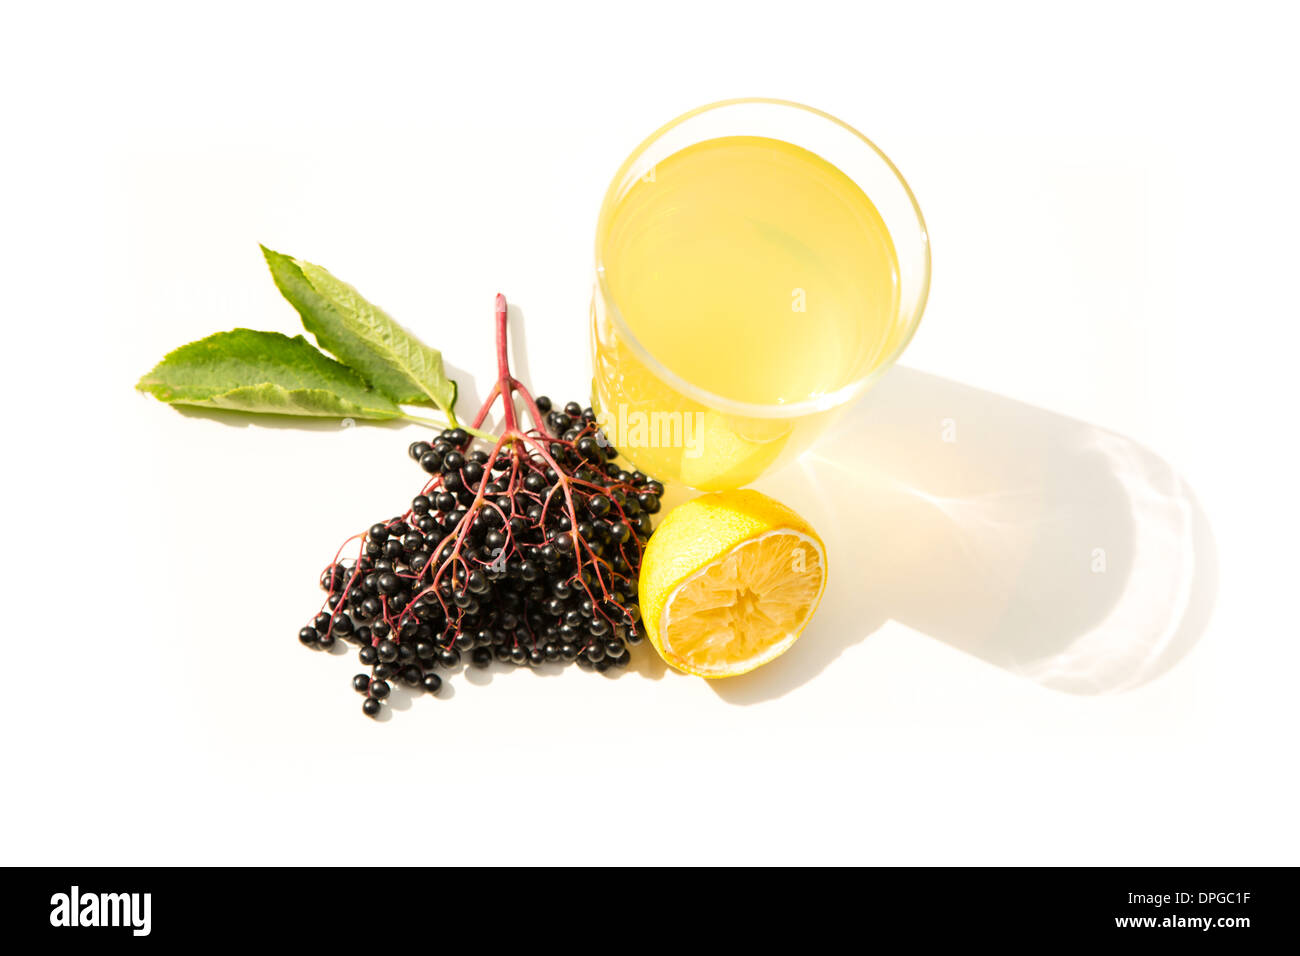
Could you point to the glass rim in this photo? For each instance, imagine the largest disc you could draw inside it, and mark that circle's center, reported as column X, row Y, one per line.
column 821, row 403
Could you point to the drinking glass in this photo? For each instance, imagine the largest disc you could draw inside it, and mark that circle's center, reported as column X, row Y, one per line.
column 676, row 430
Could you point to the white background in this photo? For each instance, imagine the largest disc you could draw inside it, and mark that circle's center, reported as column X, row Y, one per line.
column 1111, row 195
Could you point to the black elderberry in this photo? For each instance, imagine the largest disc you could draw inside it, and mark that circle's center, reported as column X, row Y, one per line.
column 333, row 577
column 543, row 569
column 370, row 707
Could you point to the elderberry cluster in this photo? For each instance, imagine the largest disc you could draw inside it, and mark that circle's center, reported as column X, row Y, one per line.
column 527, row 554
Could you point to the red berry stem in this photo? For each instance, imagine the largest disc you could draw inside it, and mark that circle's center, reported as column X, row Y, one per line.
column 505, row 384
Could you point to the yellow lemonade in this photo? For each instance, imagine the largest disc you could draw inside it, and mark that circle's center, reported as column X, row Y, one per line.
column 761, row 278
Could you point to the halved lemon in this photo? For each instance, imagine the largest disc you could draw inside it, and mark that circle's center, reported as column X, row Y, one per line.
column 729, row 581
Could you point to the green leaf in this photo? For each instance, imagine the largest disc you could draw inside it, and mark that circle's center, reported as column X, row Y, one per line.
column 264, row 372
column 362, row 335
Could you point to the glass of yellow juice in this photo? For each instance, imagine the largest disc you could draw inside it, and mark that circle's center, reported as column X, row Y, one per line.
column 759, row 264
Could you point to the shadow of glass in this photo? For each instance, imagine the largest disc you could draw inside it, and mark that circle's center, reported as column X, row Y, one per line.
column 1053, row 549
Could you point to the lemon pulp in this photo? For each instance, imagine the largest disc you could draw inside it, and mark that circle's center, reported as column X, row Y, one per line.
column 745, row 609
